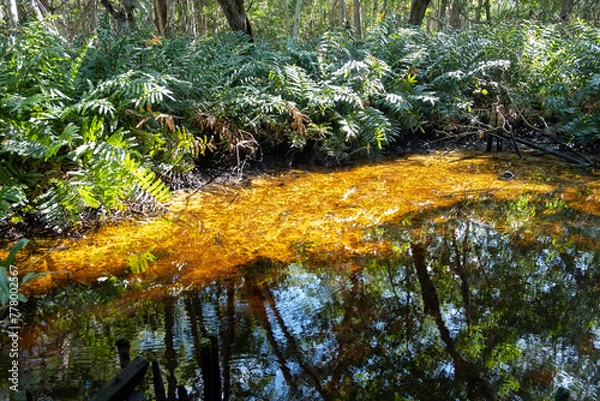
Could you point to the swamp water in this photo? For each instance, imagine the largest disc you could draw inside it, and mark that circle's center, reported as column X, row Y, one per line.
column 425, row 278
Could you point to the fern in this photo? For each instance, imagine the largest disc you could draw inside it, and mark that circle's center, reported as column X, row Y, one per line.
column 146, row 180
column 397, row 104
column 60, row 205
column 140, row 262
column 101, row 125
column 12, row 198
column 376, row 128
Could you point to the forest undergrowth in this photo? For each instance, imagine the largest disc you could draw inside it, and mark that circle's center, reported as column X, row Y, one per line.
column 114, row 122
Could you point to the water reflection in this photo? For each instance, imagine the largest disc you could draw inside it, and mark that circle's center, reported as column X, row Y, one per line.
column 478, row 301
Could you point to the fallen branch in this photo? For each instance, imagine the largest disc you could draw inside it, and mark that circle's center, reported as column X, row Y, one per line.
column 501, row 133
column 566, row 146
column 588, row 161
column 546, row 150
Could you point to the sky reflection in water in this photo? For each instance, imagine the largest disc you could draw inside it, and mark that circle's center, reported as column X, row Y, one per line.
column 479, row 300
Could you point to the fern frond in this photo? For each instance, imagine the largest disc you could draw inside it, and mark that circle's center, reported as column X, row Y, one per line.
column 26, row 148
column 140, row 262
column 376, row 127
column 146, row 179
column 60, row 205
column 99, row 107
column 397, row 104
column 12, row 198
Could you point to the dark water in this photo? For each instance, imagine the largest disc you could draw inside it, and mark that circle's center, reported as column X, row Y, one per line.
column 478, row 301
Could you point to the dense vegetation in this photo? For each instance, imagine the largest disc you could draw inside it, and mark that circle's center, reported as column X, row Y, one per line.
column 96, row 125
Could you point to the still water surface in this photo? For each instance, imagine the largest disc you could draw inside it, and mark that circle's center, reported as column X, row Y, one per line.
column 426, row 278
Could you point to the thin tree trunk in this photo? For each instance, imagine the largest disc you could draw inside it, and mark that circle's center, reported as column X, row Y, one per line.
column 258, row 308
column 417, row 12
column 286, row 11
column 214, row 21
column 478, row 11
column 343, row 12
column 346, row 330
column 442, row 13
column 460, row 265
column 191, row 18
column 455, row 14
column 431, row 306
column 311, row 19
column 13, row 13
column 211, row 371
column 93, row 14
column 357, row 18
column 206, row 352
column 37, row 8
column 296, row 28
column 202, row 20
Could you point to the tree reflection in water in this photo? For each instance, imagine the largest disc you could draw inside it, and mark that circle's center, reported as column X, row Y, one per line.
column 473, row 302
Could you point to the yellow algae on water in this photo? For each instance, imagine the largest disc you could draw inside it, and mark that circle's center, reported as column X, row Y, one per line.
column 208, row 234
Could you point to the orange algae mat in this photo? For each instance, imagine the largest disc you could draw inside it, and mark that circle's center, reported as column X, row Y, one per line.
column 207, row 235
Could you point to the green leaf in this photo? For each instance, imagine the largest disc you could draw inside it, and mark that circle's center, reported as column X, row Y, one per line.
column 10, row 259
column 139, row 262
column 86, row 193
column 28, row 277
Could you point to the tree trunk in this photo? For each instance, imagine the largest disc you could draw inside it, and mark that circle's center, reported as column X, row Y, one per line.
column 417, row 12
column 357, row 18
column 124, row 14
column 286, row 13
column 442, row 13
column 236, row 16
column 191, row 22
column 455, row 14
column 13, row 13
column 161, row 20
column 567, row 9
column 38, row 9
column 343, row 12
column 296, row 28
column 202, row 20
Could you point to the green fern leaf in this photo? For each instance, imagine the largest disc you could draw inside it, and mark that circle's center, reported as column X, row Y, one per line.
column 146, row 179
column 140, row 262
column 87, row 194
